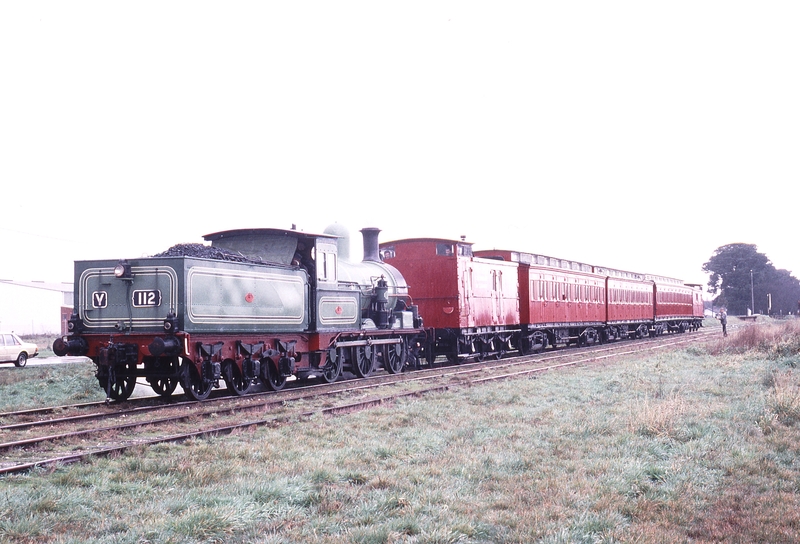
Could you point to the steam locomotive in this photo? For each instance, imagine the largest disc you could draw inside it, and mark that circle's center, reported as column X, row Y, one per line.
column 257, row 305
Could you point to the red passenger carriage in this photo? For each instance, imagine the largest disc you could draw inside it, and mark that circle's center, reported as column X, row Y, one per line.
column 678, row 307
column 561, row 301
column 471, row 303
column 629, row 303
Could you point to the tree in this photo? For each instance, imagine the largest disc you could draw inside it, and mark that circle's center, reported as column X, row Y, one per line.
column 785, row 292
column 740, row 276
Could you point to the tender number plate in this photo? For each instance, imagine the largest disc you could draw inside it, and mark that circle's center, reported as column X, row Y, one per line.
column 146, row 298
column 99, row 299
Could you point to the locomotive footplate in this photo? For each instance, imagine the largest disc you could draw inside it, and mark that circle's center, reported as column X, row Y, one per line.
column 368, row 342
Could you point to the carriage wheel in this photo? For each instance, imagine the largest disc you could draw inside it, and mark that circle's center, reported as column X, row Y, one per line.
column 486, row 351
column 270, row 376
column 503, row 349
column 194, row 385
column 334, row 362
column 394, row 357
column 363, row 360
column 236, row 382
column 539, row 339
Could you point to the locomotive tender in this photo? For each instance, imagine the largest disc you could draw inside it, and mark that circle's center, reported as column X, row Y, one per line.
column 486, row 303
column 268, row 305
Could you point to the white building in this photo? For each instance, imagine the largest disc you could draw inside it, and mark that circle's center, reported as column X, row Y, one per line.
column 32, row 307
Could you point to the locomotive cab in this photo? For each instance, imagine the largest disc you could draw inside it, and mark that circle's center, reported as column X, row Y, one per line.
column 345, row 294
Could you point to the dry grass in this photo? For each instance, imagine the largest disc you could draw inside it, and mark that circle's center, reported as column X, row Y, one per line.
column 658, row 418
column 775, row 340
column 47, row 385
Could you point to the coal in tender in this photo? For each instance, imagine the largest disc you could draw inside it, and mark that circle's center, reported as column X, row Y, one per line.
column 205, row 252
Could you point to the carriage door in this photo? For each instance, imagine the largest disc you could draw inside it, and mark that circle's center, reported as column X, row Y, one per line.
column 497, row 297
column 466, row 318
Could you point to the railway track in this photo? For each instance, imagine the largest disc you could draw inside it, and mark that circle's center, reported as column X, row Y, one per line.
column 65, row 434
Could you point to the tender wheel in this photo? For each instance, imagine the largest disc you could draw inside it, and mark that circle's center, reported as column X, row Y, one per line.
column 164, row 386
column 394, row 357
column 334, row 362
column 22, row 360
column 194, row 385
column 270, row 375
column 120, row 388
column 236, row 382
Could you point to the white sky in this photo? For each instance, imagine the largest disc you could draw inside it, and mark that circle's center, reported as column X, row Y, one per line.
column 637, row 135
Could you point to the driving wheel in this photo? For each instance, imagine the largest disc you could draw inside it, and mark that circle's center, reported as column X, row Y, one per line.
column 394, row 357
column 334, row 361
column 363, row 360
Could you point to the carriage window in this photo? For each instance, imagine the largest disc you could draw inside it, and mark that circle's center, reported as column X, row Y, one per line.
column 464, row 250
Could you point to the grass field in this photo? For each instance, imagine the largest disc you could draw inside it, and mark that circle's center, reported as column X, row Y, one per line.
column 698, row 445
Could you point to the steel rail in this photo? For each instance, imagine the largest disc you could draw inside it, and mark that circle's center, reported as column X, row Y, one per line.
column 250, row 401
column 330, row 411
column 171, row 403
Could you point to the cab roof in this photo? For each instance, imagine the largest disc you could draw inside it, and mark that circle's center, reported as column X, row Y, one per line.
column 265, row 231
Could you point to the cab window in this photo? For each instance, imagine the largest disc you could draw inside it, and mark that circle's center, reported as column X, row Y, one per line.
column 444, row 250
column 326, row 267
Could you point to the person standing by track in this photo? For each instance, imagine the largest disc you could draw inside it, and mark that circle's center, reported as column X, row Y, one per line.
column 723, row 319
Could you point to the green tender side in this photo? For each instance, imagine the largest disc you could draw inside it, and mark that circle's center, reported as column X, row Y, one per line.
column 206, row 295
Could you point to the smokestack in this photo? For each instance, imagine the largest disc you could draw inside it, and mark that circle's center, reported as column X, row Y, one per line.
column 371, row 250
